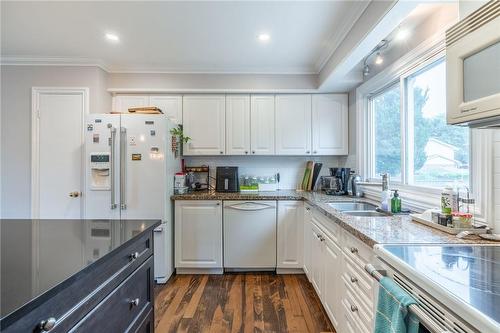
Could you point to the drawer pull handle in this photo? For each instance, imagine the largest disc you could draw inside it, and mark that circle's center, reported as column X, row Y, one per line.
column 354, row 250
column 48, row 324
column 134, row 302
column 321, row 238
column 354, row 308
column 354, row 279
column 134, row 255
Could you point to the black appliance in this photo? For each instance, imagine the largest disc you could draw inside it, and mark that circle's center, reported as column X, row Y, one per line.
column 226, row 179
column 341, row 180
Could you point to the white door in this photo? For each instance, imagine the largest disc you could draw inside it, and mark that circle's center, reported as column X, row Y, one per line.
column 57, row 152
column 237, row 124
column 122, row 103
column 170, row 105
column 332, row 280
column 198, row 234
column 290, row 234
column 307, row 240
column 204, row 122
column 293, row 124
column 262, row 124
column 142, row 167
column 330, row 124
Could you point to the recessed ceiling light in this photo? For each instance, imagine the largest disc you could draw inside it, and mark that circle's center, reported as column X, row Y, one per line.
column 402, row 34
column 264, row 37
column 379, row 60
column 112, row 37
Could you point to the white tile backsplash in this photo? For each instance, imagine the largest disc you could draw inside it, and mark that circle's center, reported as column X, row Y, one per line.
column 291, row 168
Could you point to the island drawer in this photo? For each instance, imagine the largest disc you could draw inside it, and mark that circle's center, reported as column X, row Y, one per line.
column 75, row 297
column 125, row 308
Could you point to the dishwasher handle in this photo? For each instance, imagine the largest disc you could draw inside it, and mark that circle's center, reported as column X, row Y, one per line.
column 250, row 206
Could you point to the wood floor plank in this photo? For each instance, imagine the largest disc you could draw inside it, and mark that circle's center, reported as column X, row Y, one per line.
column 239, row 303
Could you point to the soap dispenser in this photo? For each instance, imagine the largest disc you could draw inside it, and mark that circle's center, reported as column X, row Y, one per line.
column 396, row 203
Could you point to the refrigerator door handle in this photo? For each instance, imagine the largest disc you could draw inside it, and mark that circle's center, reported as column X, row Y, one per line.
column 123, row 160
column 112, row 166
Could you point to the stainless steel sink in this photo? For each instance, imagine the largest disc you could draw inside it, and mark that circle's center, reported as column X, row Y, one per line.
column 352, row 206
column 365, row 213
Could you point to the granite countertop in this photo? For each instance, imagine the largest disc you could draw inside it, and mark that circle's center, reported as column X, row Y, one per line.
column 398, row 229
column 37, row 255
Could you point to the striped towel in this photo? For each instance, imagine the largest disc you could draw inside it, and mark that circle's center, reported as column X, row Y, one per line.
column 392, row 309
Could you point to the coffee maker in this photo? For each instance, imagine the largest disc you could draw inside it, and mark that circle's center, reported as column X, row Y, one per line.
column 339, row 178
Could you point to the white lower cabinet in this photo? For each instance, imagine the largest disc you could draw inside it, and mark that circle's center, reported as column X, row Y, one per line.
column 198, row 234
column 290, row 234
column 334, row 262
column 307, row 240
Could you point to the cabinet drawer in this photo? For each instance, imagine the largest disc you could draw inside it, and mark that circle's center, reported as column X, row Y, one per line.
column 148, row 323
column 356, row 250
column 71, row 300
column 129, row 304
column 330, row 228
column 360, row 282
column 353, row 307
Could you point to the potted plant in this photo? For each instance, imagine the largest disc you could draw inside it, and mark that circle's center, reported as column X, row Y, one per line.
column 178, row 140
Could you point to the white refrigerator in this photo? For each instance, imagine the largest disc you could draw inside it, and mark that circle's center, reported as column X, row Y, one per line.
column 130, row 170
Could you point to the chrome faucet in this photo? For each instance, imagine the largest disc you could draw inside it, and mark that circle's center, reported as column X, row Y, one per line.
column 384, row 183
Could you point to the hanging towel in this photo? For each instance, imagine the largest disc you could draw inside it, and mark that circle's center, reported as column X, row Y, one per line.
column 392, row 309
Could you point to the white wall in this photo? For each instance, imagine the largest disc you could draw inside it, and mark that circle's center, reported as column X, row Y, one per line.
column 291, row 168
column 16, row 84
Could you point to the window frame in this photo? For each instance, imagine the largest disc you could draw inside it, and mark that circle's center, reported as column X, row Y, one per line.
column 418, row 197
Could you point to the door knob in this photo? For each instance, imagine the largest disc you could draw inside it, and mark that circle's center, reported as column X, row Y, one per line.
column 74, row 194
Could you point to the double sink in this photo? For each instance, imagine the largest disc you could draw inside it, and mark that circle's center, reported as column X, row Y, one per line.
column 363, row 209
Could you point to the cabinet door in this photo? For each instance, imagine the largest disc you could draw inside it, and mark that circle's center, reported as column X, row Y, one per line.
column 121, row 103
column 307, row 240
column 262, row 124
column 170, row 105
column 293, row 124
column 198, row 234
column 330, row 124
column 204, row 122
column 237, row 124
column 290, row 234
column 332, row 263
column 316, row 264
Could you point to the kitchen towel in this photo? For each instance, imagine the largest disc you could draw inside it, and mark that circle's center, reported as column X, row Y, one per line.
column 392, row 309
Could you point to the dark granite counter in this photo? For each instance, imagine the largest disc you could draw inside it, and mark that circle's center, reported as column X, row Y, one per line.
column 37, row 255
column 398, row 229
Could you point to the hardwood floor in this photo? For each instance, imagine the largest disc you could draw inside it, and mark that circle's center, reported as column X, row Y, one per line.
column 256, row 302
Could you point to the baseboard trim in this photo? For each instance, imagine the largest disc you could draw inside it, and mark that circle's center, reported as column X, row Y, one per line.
column 289, row 271
column 217, row 271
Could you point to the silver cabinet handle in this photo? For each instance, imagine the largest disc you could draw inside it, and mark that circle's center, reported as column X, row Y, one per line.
column 134, row 302
column 123, row 160
column 221, row 152
column 246, row 152
column 48, row 324
column 308, row 152
column 134, row 255
column 354, row 308
column 308, row 209
column 112, row 165
column 253, row 152
column 354, row 250
column 314, row 151
column 354, row 279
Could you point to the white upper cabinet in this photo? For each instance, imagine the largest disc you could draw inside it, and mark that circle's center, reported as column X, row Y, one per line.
column 122, row 103
column 293, row 124
column 262, row 124
column 170, row 105
column 204, row 123
column 329, row 124
column 237, row 124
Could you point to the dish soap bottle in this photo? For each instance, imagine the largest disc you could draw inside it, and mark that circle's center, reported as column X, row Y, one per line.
column 385, row 196
column 396, row 203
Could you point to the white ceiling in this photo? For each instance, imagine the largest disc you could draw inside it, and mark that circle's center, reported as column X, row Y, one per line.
column 195, row 37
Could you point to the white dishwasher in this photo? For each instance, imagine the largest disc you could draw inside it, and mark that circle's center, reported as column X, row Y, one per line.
column 249, row 235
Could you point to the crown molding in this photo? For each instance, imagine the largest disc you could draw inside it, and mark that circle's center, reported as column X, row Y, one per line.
column 67, row 61
column 115, row 91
